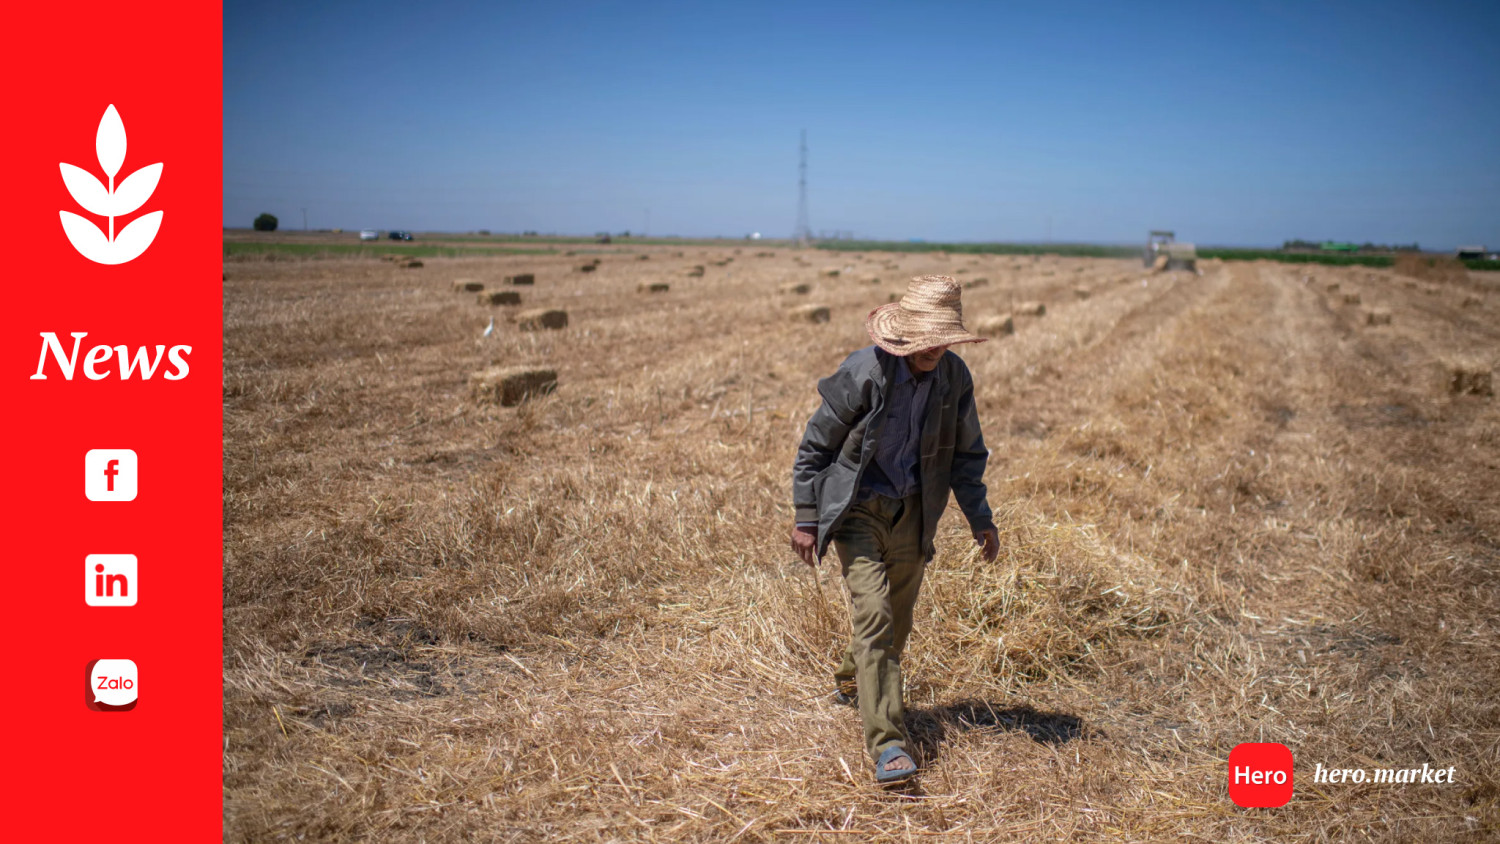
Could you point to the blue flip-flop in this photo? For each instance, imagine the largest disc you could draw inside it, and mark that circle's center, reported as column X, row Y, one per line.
column 890, row 753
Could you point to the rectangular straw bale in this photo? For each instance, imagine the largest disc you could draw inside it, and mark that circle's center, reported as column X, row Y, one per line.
column 696, row 272
column 500, row 297
column 412, row 264
column 1333, row 287
column 643, row 257
column 796, row 288
column 467, row 285
column 972, row 283
column 1082, row 292
column 511, row 385
column 521, row 278
column 831, row 272
column 809, row 313
column 537, row 319
column 588, row 268
column 1377, row 316
column 1472, row 302
column 995, row 325
column 653, row 287
column 1351, row 298
column 1031, row 309
column 1471, row 378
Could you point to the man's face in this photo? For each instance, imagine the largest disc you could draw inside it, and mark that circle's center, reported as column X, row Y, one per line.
column 926, row 360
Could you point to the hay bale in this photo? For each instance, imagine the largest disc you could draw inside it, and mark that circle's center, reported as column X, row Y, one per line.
column 1409, row 283
column 520, row 278
column 809, row 313
column 643, row 257
column 1031, row 309
column 1082, row 292
column 467, row 285
column 511, row 385
column 412, row 264
column 1470, row 378
column 995, row 325
column 500, row 297
column 976, row 282
column 1472, row 302
column 1333, row 287
column 793, row 288
column 831, row 272
column 894, row 297
column 1377, row 316
column 696, row 272
column 538, row 319
column 1351, row 298
column 587, row 268
column 653, row 287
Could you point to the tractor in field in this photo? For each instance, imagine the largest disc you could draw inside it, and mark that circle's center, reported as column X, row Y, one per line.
column 1163, row 252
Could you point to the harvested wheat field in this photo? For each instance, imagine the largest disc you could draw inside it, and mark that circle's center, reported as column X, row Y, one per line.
column 1230, row 511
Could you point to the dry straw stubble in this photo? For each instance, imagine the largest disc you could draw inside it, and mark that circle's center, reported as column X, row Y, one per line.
column 577, row 619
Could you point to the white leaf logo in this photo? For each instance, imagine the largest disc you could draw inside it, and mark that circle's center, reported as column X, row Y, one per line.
column 111, row 202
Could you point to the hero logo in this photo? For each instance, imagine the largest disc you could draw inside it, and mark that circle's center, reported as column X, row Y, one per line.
column 111, row 202
column 142, row 361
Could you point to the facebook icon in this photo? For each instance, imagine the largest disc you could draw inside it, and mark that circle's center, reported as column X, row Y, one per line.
column 109, row 474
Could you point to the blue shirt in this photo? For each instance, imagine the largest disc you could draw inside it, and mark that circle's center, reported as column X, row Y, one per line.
column 895, row 472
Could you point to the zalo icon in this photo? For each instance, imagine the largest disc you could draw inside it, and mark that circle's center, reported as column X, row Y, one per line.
column 113, row 685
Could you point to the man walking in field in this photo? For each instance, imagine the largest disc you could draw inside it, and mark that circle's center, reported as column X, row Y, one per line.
column 896, row 432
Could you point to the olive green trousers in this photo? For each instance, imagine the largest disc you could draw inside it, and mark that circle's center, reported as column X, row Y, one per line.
column 880, row 549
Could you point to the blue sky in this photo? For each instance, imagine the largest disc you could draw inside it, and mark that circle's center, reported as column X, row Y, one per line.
column 1243, row 124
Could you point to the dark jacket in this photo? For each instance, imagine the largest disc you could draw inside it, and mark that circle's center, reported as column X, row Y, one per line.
column 840, row 444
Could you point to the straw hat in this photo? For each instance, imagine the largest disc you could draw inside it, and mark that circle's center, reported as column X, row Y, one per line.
column 928, row 315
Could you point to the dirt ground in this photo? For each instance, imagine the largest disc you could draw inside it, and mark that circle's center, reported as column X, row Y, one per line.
column 1231, row 509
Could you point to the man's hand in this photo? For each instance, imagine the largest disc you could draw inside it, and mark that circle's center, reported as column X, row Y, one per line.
column 805, row 543
column 989, row 540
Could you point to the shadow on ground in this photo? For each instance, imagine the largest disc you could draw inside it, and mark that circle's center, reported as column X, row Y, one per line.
column 929, row 728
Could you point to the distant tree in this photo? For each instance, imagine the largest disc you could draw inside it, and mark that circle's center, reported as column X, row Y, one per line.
column 265, row 223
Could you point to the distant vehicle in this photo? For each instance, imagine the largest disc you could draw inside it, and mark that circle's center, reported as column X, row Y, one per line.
column 1163, row 244
column 369, row 234
column 400, row 235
